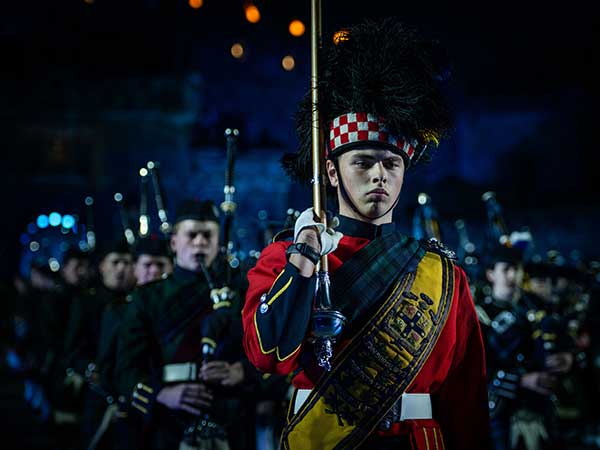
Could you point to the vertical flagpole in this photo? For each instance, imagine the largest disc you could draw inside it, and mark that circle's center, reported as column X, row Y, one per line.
column 327, row 323
column 317, row 134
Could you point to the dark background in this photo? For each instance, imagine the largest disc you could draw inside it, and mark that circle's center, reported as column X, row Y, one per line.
column 91, row 91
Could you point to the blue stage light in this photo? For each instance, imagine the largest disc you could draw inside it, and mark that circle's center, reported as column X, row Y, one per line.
column 42, row 221
column 55, row 219
column 68, row 221
column 31, row 228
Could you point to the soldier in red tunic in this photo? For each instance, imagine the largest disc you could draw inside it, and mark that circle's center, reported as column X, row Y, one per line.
column 408, row 371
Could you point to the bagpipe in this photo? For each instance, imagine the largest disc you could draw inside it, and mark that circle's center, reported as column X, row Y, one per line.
column 425, row 219
column 204, row 431
column 228, row 206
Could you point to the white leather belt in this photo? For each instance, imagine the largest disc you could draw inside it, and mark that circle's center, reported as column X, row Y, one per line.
column 173, row 373
column 412, row 406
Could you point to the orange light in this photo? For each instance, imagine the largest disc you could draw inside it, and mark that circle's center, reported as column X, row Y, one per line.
column 237, row 51
column 252, row 13
column 196, row 4
column 288, row 63
column 296, row 28
column 89, row 2
column 340, row 36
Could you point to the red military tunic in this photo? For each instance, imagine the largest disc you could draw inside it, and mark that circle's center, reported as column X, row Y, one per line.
column 454, row 374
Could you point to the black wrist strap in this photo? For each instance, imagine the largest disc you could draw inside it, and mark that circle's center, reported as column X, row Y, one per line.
column 305, row 250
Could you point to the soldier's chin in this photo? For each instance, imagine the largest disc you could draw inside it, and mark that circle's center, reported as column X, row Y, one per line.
column 375, row 210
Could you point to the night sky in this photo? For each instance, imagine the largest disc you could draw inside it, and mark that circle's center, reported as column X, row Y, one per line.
column 523, row 86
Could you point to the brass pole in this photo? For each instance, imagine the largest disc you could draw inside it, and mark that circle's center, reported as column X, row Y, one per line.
column 318, row 178
column 327, row 323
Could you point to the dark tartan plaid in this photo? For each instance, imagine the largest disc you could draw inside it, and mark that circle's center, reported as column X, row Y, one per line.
column 184, row 306
column 188, row 299
column 366, row 278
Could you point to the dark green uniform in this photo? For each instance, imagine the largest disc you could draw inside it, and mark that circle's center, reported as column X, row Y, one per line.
column 23, row 406
column 518, row 338
column 90, row 347
column 162, row 328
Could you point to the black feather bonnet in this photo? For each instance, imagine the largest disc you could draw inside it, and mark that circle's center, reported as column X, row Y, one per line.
column 380, row 84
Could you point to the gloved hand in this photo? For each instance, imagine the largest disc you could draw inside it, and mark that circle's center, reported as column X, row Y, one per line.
column 328, row 238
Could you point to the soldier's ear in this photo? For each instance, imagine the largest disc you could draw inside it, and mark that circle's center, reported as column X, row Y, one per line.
column 489, row 275
column 332, row 173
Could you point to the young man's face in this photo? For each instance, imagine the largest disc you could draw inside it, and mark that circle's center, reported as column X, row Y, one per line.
column 194, row 243
column 151, row 267
column 77, row 272
column 372, row 178
column 504, row 280
column 116, row 270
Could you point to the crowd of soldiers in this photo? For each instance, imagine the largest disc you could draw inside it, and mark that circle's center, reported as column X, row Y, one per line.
column 115, row 350
column 108, row 352
column 539, row 320
column 179, row 345
column 538, row 315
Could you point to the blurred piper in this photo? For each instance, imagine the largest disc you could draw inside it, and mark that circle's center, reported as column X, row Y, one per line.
column 524, row 358
column 91, row 337
column 159, row 369
column 151, row 260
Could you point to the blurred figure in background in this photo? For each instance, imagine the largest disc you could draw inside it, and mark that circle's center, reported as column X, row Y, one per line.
column 90, row 335
column 159, row 367
column 151, row 260
column 77, row 274
column 76, row 270
column 526, row 353
column 26, row 361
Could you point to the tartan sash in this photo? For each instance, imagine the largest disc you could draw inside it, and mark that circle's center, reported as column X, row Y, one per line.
column 189, row 299
column 380, row 362
column 182, row 308
column 364, row 279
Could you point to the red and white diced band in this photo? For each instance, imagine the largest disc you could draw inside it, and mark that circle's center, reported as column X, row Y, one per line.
column 365, row 127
